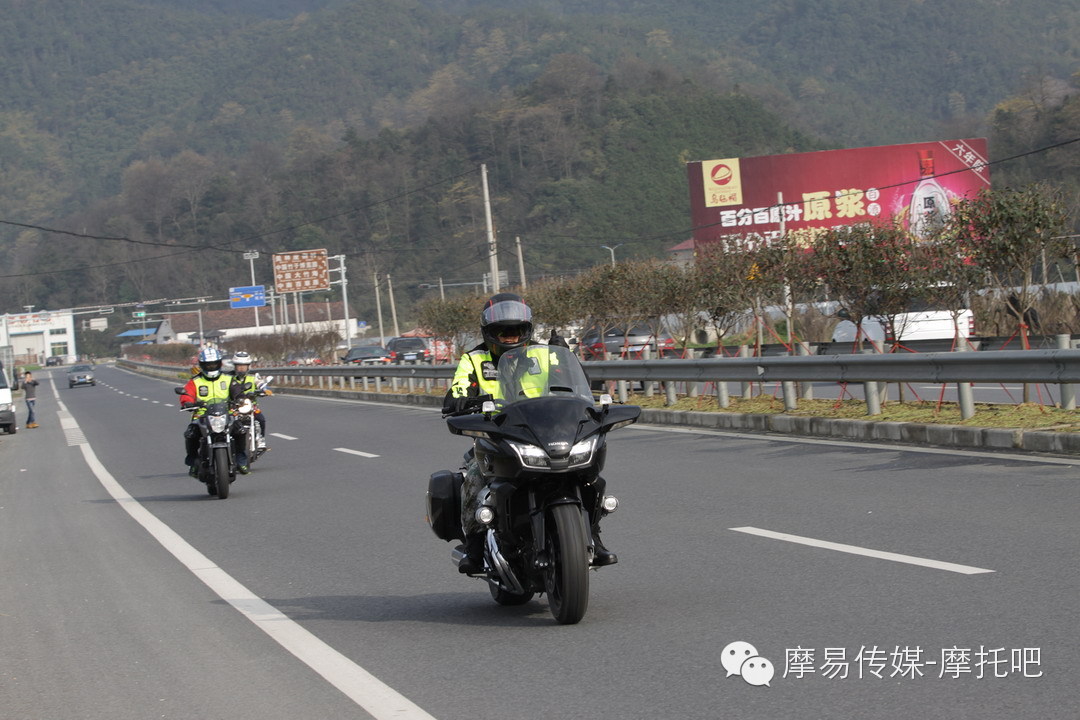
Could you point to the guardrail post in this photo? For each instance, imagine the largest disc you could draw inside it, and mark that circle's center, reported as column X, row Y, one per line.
column 871, row 393
column 965, row 396
column 723, row 399
column 1068, row 390
column 647, row 385
column 669, row 393
column 806, row 388
column 791, row 401
column 747, row 388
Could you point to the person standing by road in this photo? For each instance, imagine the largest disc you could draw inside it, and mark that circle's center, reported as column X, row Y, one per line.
column 30, row 393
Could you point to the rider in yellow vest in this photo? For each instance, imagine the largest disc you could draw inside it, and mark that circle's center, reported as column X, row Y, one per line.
column 209, row 386
column 505, row 323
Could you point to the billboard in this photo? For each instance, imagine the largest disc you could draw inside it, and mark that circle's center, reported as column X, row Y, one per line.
column 768, row 195
column 301, row 271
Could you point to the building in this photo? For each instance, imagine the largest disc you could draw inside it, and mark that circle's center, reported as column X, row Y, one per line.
column 36, row 336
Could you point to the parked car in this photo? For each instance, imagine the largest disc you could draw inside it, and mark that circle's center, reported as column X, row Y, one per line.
column 367, row 355
column 54, row 360
column 409, row 350
column 304, row 357
column 80, row 375
column 625, row 343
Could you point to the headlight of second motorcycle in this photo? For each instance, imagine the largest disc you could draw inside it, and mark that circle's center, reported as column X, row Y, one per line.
column 533, row 456
column 217, row 423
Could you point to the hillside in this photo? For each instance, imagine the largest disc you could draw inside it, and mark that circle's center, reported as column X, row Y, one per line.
column 237, row 123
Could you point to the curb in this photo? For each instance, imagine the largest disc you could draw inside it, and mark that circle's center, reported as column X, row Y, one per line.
column 948, row 436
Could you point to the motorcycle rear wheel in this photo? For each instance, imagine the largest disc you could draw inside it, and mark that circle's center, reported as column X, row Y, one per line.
column 221, row 472
column 567, row 581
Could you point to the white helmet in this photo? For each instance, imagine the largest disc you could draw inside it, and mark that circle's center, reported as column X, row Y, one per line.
column 241, row 358
column 210, row 362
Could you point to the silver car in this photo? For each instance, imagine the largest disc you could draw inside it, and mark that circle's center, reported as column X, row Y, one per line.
column 80, row 375
column 625, row 343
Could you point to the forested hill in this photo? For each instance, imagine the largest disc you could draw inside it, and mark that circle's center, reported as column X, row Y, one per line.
column 358, row 125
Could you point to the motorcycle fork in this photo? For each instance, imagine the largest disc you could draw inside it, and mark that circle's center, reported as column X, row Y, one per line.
column 538, row 516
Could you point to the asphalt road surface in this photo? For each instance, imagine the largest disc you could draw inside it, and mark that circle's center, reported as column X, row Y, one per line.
column 759, row 577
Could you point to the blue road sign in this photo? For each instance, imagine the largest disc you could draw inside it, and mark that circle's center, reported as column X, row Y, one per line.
column 244, row 297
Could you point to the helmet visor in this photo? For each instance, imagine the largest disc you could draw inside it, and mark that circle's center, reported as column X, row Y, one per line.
column 506, row 311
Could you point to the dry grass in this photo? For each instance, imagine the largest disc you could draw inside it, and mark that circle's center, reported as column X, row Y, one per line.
column 1022, row 416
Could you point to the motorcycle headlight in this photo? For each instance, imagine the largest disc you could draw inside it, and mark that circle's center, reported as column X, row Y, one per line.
column 581, row 454
column 217, row 423
column 530, row 455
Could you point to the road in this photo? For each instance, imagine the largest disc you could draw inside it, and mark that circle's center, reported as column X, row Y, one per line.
column 317, row 589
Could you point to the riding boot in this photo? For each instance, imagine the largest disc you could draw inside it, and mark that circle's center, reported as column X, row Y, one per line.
column 473, row 562
column 601, row 555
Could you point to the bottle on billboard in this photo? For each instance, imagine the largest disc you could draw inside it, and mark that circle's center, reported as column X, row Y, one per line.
column 929, row 203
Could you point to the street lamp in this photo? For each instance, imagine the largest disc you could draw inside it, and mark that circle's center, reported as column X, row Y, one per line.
column 612, row 251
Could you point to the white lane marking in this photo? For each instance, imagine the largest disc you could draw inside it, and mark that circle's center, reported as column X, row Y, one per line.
column 283, row 437
column 376, row 697
column 356, row 452
column 856, row 550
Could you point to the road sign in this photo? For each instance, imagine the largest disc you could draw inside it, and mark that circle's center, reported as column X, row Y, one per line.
column 253, row 255
column 250, row 296
column 139, row 314
column 301, row 271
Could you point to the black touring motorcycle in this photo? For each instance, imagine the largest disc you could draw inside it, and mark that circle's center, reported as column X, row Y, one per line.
column 540, row 450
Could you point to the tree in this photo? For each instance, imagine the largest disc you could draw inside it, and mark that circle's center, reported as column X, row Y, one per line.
column 1011, row 233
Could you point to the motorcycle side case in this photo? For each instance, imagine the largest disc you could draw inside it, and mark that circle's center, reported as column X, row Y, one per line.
column 444, row 504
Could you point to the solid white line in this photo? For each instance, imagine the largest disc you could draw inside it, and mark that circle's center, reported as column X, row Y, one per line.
column 377, row 698
column 855, row 550
column 283, row 437
column 356, row 452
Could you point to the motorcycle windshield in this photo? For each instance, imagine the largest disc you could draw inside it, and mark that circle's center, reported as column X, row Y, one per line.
column 541, row 371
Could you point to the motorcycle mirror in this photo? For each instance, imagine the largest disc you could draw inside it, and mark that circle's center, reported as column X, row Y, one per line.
column 178, row 390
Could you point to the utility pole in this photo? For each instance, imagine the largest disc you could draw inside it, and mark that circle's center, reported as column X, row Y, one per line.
column 393, row 307
column 493, row 255
column 521, row 262
column 344, row 297
column 251, row 257
column 378, row 310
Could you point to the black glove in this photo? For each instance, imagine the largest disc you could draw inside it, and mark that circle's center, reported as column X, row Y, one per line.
column 557, row 339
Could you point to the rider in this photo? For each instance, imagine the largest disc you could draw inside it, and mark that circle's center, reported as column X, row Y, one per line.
column 505, row 323
column 209, row 386
column 246, row 384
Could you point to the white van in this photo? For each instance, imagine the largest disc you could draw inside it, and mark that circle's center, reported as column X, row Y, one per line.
column 7, row 409
column 919, row 324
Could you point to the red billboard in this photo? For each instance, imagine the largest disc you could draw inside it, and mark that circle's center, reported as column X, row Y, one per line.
column 768, row 195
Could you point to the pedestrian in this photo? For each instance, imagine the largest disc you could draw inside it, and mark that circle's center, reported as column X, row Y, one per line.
column 30, row 389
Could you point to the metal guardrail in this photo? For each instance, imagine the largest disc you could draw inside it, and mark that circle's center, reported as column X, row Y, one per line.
column 962, row 368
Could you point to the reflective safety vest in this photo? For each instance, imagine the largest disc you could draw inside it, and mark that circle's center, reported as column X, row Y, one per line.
column 211, row 391
column 475, row 375
column 247, row 383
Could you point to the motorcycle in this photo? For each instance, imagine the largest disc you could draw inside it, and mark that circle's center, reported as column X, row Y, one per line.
column 215, row 463
column 540, row 450
column 246, row 428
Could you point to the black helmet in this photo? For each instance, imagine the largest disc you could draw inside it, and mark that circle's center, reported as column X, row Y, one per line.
column 505, row 314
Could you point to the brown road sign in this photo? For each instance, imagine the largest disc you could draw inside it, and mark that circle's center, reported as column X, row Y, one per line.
column 301, row 271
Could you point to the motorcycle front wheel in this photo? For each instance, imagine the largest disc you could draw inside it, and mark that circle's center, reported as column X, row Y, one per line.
column 221, row 472
column 567, row 581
